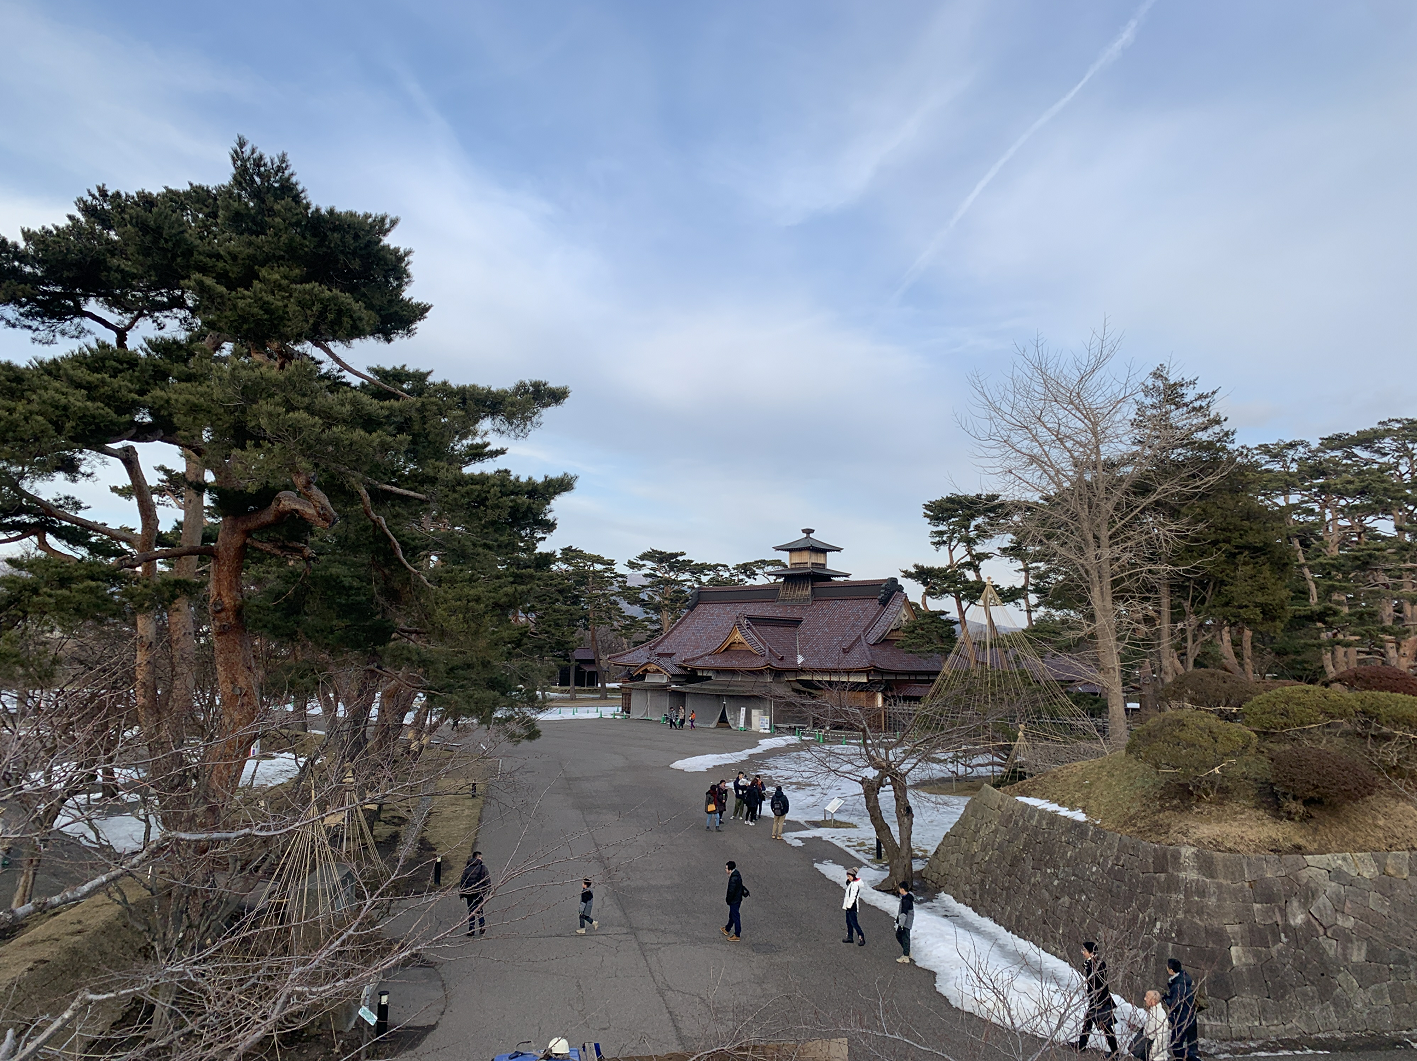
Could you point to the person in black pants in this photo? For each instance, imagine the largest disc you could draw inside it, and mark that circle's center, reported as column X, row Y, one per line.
column 736, row 894
column 1100, row 1007
column 474, row 886
column 1181, row 1006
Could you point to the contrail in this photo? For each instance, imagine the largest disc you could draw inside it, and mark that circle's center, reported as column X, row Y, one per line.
column 1116, row 48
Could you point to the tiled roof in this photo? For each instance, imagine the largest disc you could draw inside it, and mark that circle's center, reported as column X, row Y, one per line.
column 833, row 633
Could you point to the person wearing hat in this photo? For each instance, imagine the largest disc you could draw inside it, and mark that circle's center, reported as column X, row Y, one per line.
column 851, row 903
column 1100, row 1011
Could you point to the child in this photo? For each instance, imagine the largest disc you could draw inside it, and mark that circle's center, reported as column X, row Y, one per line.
column 587, row 898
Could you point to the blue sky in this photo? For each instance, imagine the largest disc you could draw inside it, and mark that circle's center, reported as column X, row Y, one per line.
column 726, row 226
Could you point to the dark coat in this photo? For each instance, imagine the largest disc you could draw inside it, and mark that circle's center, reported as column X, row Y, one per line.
column 476, row 882
column 1181, row 1005
column 1099, row 994
column 754, row 796
column 779, row 802
column 736, row 892
column 711, row 800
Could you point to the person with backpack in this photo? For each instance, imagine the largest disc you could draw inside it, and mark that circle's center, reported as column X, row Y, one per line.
column 778, row 806
column 1101, row 1010
column 851, row 903
column 736, row 894
column 904, row 919
column 587, row 901
column 474, row 886
column 711, row 809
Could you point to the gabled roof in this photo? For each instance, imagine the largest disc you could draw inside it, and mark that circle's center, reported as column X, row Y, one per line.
column 740, row 628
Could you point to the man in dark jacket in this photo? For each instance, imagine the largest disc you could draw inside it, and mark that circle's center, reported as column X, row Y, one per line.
column 1100, row 1007
column 779, row 807
column 736, row 894
column 474, row 886
column 1181, row 1006
column 740, row 799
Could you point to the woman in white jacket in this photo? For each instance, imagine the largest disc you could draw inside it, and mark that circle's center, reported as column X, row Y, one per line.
column 851, row 904
column 1157, row 1028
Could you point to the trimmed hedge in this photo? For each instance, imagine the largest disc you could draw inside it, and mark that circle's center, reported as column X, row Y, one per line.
column 1210, row 688
column 1393, row 710
column 1189, row 745
column 1380, row 679
column 1296, row 706
column 1321, row 774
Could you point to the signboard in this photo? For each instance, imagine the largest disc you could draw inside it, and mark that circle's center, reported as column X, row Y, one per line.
column 368, row 1015
column 834, row 806
column 765, row 724
column 742, row 718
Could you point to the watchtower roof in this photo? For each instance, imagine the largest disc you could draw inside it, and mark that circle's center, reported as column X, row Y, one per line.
column 807, row 542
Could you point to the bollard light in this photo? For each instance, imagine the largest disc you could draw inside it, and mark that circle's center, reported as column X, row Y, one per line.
column 381, row 1023
column 438, row 871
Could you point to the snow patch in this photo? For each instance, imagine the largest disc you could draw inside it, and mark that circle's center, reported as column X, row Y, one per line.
column 606, row 709
column 1043, row 804
column 986, row 970
column 271, row 770
column 700, row 763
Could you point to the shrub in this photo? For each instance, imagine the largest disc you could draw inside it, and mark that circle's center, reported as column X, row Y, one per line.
column 1382, row 679
column 1191, row 747
column 1321, row 774
column 1295, row 706
column 1210, row 688
column 1393, row 710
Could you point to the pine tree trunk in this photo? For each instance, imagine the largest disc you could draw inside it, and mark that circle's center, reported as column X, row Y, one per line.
column 181, row 618
column 1227, row 651
column 1247, row 652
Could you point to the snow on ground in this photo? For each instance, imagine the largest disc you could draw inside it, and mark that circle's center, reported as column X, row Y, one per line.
column 122, row 832
column 270, row 770
column 597, row 709
column 699, row 764
column 978, row 965
column 1043, row 804
column 985, row 970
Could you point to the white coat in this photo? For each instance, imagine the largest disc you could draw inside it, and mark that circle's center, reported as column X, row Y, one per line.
column 853, row 891
column 1158, row 1029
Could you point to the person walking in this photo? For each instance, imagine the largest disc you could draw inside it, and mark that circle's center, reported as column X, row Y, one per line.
column 711, row 811
column 1101, row 1010
column 736, row 894
column 722, row 801
column 740, row 790
column 587, row 901
column 692, row 715
column 904, row 919
column 851, row 903
column 1155, row 1030
column 474, row 886
column 1181, row 1010
column 778, row 806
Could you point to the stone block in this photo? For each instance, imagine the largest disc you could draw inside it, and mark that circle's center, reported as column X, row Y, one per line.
column 1367, row 866
column 1267, row 914
column 1396, row 864
column 1268, row 890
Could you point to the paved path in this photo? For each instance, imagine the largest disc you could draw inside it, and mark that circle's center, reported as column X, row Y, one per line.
column 658, row 975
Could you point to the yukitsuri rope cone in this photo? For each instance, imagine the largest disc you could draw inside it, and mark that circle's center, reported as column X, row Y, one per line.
column 1009, row 695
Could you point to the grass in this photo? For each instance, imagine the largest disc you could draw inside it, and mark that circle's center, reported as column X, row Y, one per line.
column 1124, row 795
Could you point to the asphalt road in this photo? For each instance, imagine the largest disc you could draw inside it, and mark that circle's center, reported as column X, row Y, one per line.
column 596, row 798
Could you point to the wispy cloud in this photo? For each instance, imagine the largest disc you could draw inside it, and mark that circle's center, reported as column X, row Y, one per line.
column 1109, row 54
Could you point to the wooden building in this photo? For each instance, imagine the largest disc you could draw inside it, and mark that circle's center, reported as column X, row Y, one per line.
column 755, row 656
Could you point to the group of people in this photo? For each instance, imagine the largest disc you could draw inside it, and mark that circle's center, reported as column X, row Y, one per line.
column 677, row 718
column 748, row 799
column 1169, row 1031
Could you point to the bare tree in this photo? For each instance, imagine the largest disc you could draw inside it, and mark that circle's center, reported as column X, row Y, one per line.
column 1093, row 480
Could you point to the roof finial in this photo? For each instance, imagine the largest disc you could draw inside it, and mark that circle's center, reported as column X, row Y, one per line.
column 808, row 531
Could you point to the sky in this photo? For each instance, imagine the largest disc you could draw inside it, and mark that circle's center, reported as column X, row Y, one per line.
column 767, row 245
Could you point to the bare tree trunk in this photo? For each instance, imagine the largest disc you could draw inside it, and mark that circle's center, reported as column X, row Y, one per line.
column 181, row 620
column 1109, row 662
column 145, row 619
column 1227, row 650
column 1168, row 652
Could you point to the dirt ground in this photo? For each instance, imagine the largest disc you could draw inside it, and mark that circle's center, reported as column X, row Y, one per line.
column 1127, row 796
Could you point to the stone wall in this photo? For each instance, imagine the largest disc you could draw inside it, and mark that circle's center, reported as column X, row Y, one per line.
column 1286, row 945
